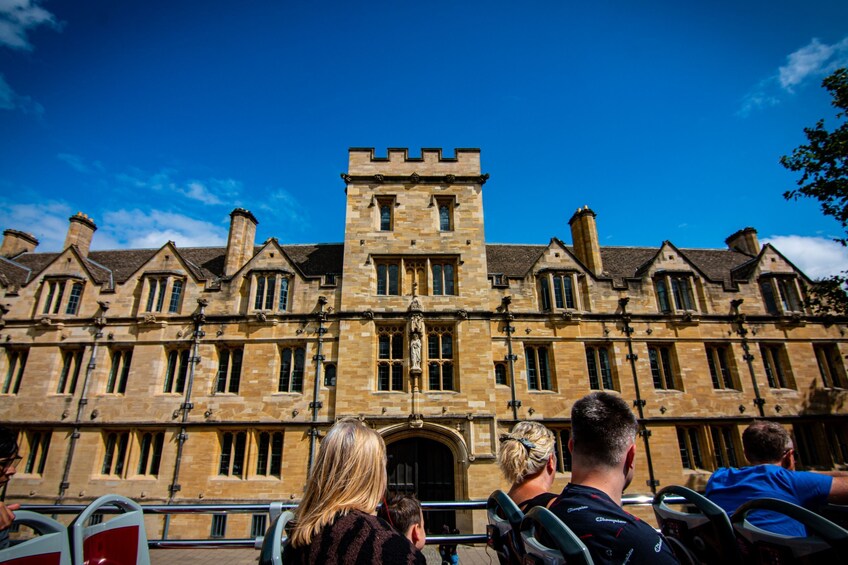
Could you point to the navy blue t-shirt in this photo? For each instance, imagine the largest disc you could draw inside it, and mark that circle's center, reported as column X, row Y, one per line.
column 611, row 534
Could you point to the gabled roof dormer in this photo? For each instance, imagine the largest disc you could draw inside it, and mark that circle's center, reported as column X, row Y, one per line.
column 267, row 280
column 58, row 288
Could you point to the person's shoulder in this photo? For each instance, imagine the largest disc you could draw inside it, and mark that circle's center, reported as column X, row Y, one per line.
column 363, row 520
column 810, row 483
column 545, row 499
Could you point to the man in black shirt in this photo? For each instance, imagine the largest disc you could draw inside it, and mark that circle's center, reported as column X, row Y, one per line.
column 603, row 451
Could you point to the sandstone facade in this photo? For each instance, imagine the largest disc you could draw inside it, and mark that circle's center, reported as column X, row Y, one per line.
column 209, row 374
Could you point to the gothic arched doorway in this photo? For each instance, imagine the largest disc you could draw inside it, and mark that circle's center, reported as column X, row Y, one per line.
column 424, row 467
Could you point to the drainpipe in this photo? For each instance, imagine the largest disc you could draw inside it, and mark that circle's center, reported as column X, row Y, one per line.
column 99, row 324
column 316, row 403
column 198, row 334
column 742, row 332
column 652, row 482
column 510, row 357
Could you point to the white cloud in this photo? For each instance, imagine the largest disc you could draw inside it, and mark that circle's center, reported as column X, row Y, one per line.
column 47, row 221
column 11, row 100
column 817, row 256
column 17, row 18
column 152, row 229
column 210, row 191
column 759, row 98
column 813, row 60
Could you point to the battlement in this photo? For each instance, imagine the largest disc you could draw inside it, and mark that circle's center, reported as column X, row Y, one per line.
column 364, row 161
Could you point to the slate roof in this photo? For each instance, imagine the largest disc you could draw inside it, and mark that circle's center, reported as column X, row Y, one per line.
column 625, row 262
column 11, row 273
column 315, row 260
column 718, row 264
column 512, row 260
column 205, row 263
column 619, row 263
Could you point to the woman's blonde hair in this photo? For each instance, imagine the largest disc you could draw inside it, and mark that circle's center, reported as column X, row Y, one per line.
column 349, row 474
column 525, row 450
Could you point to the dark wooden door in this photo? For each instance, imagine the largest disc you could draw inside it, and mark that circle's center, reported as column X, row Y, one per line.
column 425, row 468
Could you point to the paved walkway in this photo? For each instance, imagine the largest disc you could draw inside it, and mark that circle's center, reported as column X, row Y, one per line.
column 468, row 555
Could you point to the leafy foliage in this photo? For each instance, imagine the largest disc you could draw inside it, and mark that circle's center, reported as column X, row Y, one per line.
column 823, row 164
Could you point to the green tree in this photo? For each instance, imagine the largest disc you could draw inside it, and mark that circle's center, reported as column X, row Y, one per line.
column 823, row 164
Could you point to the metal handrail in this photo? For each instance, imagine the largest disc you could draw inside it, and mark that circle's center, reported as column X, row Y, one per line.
column 166, row 509
column 253, row 508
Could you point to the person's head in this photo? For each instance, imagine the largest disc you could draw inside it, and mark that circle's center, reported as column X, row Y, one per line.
column 527, row 450
column 403, row 512
column 8, row 453
column 349, row 473
column 603, row 433
column 768, row 442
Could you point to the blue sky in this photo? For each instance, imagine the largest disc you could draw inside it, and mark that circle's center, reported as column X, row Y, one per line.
column 667, row 118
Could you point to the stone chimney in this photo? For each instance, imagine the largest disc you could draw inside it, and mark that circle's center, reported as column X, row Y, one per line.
column 16, row 242
column 745, row 240
column 240, row 241
column 584, row 234
column 80, row 231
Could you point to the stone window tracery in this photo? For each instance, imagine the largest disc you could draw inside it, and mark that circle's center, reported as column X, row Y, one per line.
column 663, row 363
column 600, row 368
column 157, row 287
column 119, row 371
column 292, row 360
column 269, row 455
column 176, row 370
column 722, row 369
column 440, row 364
column 776, row 362
column 675, row 292
column 150, row 453
column 229, row 369
column 781, row 294
column 61, row 296
column 559, row 290
column 271, row 292
column 15, row 364
column 233, row 447
column 831, row 367
column 71, row 367
column 390, row 370
column 538, row 367
column 38, row 445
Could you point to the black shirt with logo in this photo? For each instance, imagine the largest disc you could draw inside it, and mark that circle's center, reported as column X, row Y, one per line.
column 611, row 534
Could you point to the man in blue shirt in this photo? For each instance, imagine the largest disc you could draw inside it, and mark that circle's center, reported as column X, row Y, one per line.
column 603, row 452
column 768, row 448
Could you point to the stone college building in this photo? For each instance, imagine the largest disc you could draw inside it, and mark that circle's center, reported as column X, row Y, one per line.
column 193, row 375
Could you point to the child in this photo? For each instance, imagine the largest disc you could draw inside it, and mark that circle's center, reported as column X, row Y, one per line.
column 403, row 512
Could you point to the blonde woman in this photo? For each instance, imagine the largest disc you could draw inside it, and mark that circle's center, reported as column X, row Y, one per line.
column 335, row 521
column 527, row 460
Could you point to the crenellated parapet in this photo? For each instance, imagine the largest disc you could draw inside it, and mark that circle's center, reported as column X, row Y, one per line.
column 397, row 166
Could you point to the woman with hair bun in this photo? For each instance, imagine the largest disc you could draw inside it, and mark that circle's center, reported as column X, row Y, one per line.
column 336, row 522
column 526, row 458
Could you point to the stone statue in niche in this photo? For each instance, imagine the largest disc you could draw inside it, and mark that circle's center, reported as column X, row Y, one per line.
column 416, row 330
column 416, row 325
column 415, row 351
